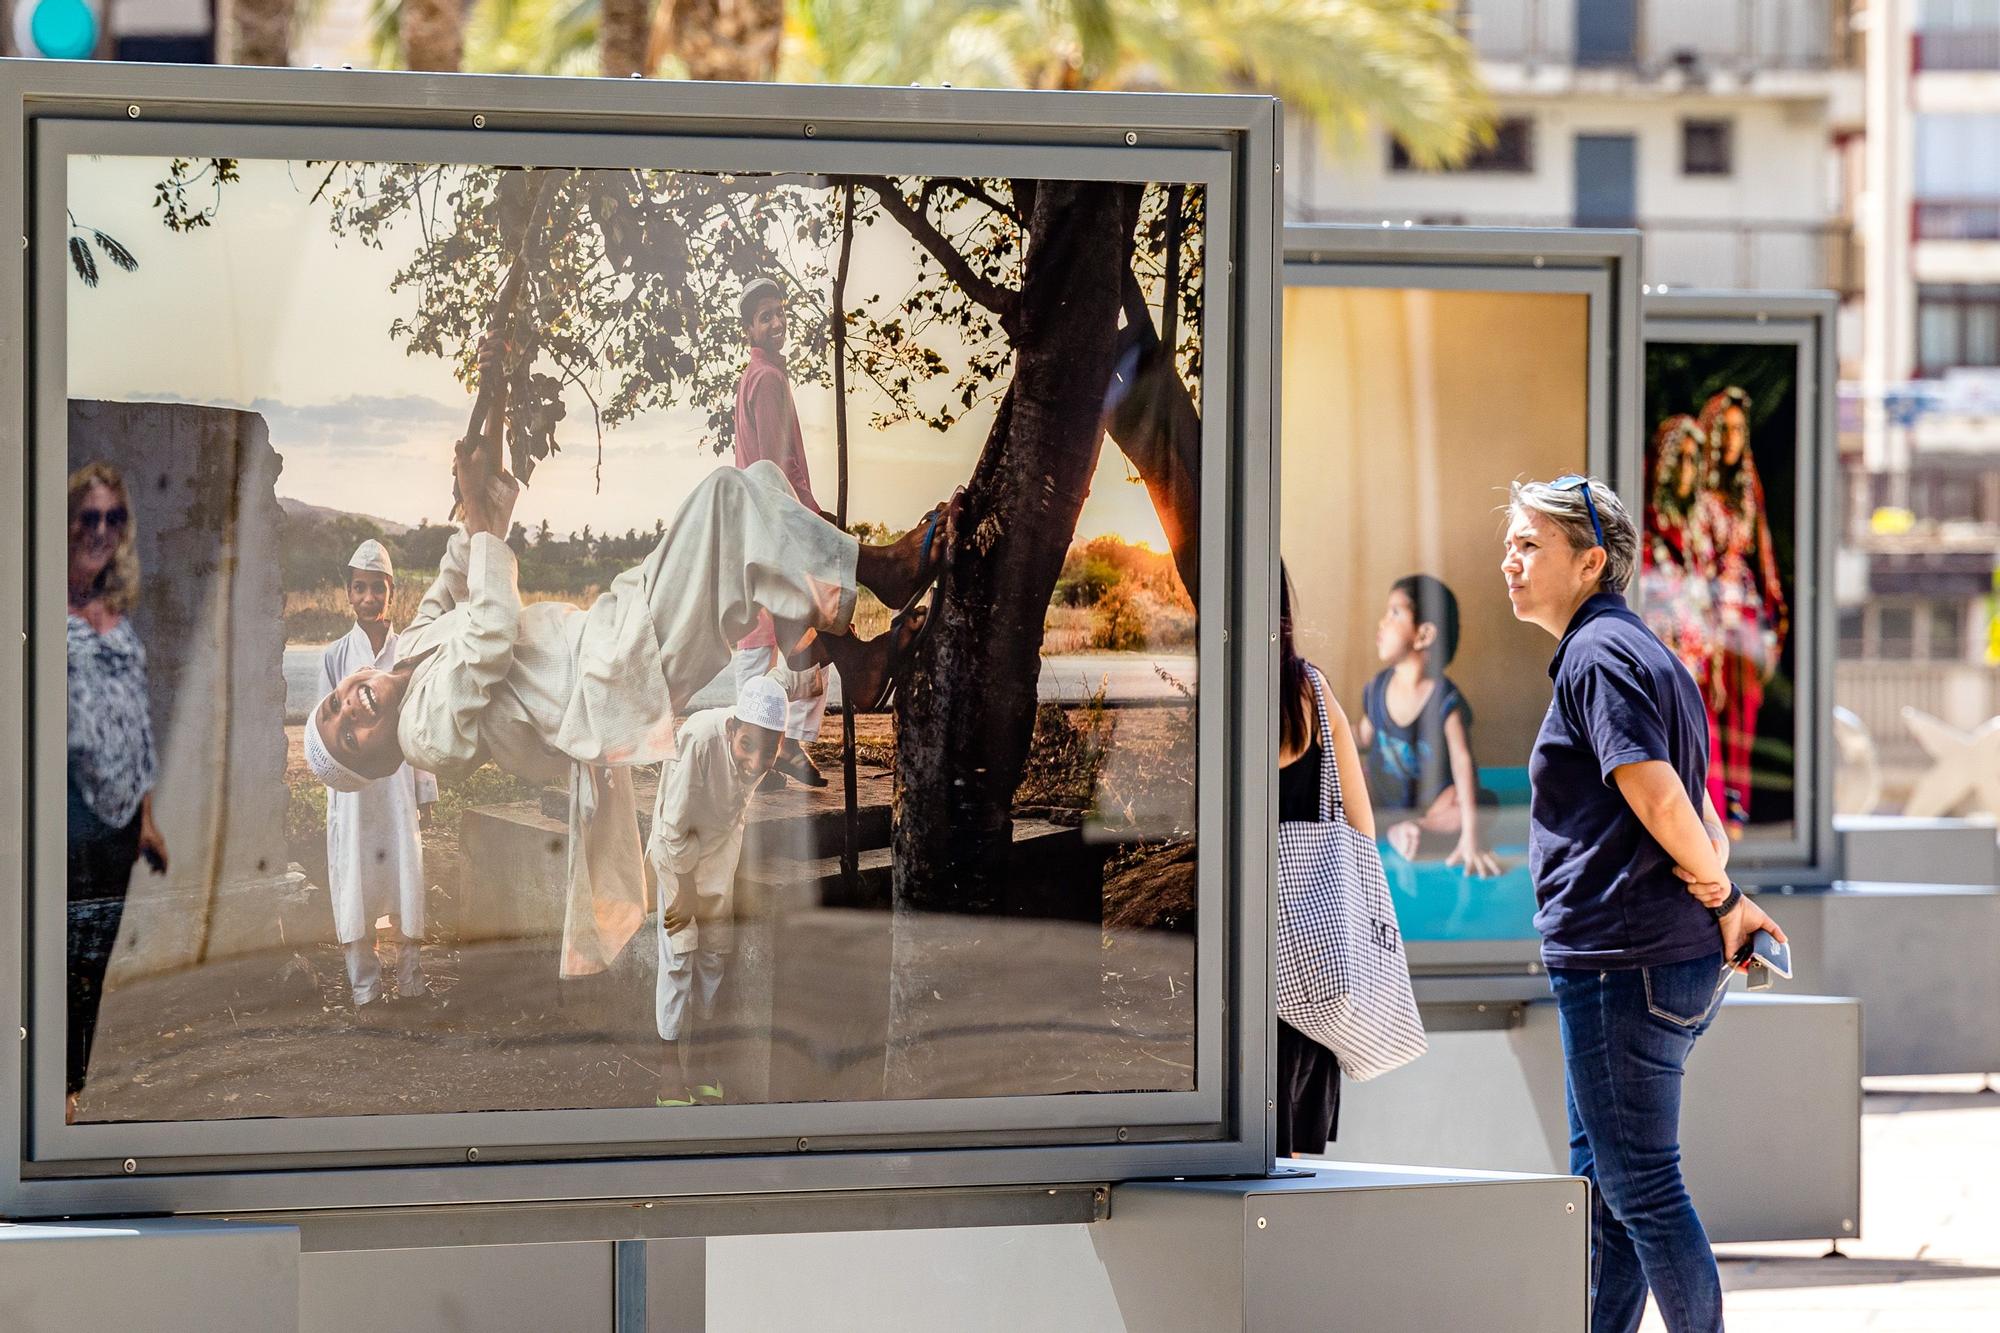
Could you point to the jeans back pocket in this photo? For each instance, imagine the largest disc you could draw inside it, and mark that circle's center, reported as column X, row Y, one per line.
column 1685, row 994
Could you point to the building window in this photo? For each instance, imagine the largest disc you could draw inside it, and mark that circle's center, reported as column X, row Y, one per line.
column 1512, row 150
column 1853, row 631
column 1707, row 147
column 1957, row 325
column 1947, row 631
column 1955, row 155
column 1896, row 632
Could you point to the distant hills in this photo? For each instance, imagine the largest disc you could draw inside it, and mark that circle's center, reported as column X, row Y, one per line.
column 299, row 509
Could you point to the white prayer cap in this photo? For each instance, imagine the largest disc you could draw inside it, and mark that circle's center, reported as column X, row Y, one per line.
column 321, row 761
column 372, row 555
column 754, row 291
column 761, row 703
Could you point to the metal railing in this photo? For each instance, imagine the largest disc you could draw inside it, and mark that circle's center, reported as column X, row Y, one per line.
column 1957, row 220
column 1946, row 49
column 1754, row 255
column 1964, row 694
column 1693, row 35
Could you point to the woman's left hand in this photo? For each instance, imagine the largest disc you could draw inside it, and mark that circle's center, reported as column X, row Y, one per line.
column 152, row 846
column 1737, row 928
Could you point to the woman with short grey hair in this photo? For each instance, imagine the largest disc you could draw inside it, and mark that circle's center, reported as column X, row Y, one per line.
column 1640, row 926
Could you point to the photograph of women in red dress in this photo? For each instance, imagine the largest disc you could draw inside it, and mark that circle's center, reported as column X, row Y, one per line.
column 1716, row 563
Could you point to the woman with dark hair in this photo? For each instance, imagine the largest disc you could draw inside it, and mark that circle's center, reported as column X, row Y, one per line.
column 1308, row 1073
column 112, row 766
column 1751, row 618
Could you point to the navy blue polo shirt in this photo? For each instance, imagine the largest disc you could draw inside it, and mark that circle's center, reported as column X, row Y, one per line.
column 1606, row 891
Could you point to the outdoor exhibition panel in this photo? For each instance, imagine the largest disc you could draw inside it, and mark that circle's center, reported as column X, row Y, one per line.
column 1424, row 370
column 1737, row 554
column 717, row 382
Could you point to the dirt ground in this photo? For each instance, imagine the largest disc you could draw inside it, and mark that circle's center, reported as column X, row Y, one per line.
column 1030, row 1004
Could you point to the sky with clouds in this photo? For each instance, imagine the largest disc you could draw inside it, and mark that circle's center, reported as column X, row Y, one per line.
column 267, row 310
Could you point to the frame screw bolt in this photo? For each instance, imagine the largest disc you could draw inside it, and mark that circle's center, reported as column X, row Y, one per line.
column 1263, row 1222
column 1131, row 138
column 1569, row 1207
column 130, row 1166
column 811, row 130
column 472, row 1154
column 133, row 111
column 479, row 122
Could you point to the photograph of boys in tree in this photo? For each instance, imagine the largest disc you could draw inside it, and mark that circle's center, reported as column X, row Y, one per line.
column 1716, row 561
column 629, row 638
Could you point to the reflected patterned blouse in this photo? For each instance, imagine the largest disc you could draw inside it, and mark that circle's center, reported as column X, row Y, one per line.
column 111, row 758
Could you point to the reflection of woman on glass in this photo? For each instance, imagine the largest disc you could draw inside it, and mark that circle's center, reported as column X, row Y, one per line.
column 1750, row 612
column 1309, row 1073
column 1677, row 566
column 111, row 761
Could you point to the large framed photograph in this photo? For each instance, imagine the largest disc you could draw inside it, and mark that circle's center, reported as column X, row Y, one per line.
column 646, row 648
column 1736, row 557
column 1423, row 370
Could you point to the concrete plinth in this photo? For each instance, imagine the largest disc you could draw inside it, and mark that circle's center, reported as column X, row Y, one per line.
column 1773, row 1092
column 1920, row 957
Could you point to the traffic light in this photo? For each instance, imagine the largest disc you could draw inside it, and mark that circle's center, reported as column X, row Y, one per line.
column 56, row 29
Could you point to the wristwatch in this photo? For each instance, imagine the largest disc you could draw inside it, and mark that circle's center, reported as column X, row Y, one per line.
column 1728, row 904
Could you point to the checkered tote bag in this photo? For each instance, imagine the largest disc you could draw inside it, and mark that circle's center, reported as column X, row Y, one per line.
column 1342, row 976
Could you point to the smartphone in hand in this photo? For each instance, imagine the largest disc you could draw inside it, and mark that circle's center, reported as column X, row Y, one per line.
column 1768, row 957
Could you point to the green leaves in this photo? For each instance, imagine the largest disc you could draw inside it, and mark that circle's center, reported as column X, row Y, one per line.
column 1345, row 64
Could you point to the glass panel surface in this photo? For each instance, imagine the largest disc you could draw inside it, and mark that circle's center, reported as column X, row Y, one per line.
column 1406, row 414
column 1718, row 560
column 474, row 571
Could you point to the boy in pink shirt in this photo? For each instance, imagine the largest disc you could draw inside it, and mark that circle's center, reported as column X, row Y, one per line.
column 767, row 428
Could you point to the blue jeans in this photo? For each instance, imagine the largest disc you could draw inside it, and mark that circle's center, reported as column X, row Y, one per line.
column 1626, row 1035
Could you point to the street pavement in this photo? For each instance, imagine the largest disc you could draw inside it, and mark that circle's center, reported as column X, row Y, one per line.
column 1928, row 1260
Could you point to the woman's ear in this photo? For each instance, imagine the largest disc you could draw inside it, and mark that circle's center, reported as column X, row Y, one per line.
column 1595, row 561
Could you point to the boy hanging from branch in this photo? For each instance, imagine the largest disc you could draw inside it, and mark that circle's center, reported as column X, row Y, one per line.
column 553, row 692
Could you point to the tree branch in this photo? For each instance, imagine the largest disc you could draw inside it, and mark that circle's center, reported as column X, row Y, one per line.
column 1002, row 301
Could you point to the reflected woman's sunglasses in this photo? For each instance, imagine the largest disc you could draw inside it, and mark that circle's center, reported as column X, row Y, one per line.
column 112, row 520
column 1576, row 483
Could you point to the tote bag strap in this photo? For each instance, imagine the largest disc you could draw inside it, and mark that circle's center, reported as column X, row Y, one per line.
column 1331, row 807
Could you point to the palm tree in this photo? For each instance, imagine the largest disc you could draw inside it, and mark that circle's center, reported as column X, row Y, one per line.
column 1342, row 63
column 731, row 40
column 492, row 36
column 432, row 33
column 264, row 32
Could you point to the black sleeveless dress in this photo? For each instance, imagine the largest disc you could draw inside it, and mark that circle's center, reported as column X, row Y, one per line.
column 1308, row 1073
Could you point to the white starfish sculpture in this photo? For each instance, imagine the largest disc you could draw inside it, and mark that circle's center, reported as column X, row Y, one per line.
column 1965, row 766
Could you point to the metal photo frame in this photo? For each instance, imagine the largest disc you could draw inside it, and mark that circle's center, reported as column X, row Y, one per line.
column 1223, row 1127
column 1601, row 265
column 1805, row 321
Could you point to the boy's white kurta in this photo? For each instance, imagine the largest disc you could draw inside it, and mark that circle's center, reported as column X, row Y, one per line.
column 374, row 855
column 698, row 830
column 549, row 691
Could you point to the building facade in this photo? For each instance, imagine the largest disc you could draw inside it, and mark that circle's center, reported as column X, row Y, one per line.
column 1725, row 130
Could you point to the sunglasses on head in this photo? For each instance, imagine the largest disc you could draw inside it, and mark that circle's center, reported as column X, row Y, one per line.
column 113, row 520
column 1575, row 483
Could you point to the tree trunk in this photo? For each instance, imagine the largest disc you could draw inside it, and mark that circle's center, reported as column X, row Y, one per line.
column 731, row 41
column 1157, row 427
column 622, row 28
column 966, row 712
column 433, row 34
column 263, row 32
